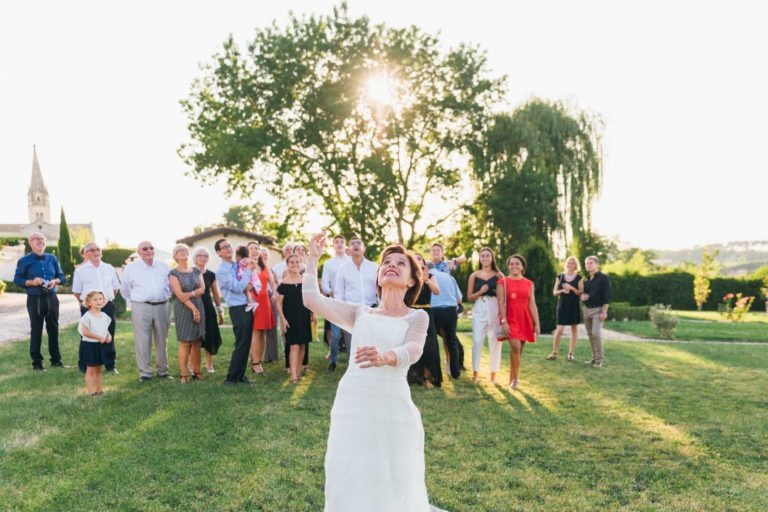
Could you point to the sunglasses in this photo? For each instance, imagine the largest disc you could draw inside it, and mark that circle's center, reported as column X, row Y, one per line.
column 150, row 248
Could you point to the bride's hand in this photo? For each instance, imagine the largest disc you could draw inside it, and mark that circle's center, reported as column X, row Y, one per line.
column 317, row 244
column 368, row 357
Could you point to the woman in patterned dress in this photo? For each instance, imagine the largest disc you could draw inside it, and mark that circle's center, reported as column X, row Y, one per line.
column 521, row 324
column 188, row 287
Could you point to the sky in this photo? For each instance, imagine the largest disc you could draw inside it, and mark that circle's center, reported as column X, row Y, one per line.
column 681, row 87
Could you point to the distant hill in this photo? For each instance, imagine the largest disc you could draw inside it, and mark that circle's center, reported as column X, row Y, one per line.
column 736, row 258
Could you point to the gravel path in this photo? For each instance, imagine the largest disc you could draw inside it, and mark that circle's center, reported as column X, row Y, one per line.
column 14, row 321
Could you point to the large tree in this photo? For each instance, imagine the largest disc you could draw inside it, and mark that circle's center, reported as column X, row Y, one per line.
column 65, row 247
column 371, row 122
column 538, row 171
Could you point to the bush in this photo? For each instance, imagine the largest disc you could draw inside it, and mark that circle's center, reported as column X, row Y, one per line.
column 120, row 307
column 2, row 287
column 541, row 270
column 676, row 289
column 10, row 287
column 116, row 257
column 664, row 319
column 623, row 311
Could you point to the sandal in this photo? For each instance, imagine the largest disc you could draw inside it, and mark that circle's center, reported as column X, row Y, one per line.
column 571, row 357
column 197, row 376
column 552, row 356
column 259, row 371
column 183, row 379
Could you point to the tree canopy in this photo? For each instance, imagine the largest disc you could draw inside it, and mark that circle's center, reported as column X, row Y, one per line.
column 538, row 169
column 372, row 124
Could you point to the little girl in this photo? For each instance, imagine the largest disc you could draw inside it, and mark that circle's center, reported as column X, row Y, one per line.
column 243, row 263
column 94, row 329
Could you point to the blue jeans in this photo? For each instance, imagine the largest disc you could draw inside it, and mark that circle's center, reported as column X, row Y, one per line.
column 336, row 334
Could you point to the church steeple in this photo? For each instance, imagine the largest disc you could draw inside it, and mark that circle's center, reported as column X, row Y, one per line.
column 37, row 197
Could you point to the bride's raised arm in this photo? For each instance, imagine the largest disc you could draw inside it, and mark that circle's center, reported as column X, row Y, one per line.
column 339, row 313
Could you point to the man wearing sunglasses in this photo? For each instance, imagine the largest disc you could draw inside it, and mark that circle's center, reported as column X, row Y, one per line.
column 146, row 286
column 39, row 273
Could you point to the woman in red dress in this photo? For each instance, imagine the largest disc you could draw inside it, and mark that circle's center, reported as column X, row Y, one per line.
column 522, row 320
column 263, row 318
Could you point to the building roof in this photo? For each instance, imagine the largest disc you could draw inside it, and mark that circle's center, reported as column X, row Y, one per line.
column 225, row 232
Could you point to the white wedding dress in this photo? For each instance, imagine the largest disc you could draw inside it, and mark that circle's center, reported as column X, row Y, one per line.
column 375, row 456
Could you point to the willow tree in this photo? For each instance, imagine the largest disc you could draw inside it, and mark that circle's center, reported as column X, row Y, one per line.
column 538, row 171
column 370, row 123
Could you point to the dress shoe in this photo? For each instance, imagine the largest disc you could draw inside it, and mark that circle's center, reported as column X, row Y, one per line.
column 38, row 368
column 332, row 367
column 598, row 364
column 166, row 377
column 144, row 378
column 59, row 365
column 243, row 380
column 228, row 382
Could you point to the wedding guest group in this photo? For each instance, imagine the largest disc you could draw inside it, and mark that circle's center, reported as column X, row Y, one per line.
column 264, row 300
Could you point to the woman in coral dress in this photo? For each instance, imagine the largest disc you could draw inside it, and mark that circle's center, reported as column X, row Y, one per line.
column 263, row 318
column 521, row 324
column 375, row 456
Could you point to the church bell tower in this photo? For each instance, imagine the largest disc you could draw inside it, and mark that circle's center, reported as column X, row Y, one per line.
column 37, row 197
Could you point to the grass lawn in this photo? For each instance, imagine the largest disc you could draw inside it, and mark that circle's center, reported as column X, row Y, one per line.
column 661, row 427
column 698, row 329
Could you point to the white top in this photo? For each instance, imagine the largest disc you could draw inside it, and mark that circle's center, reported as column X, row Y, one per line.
column 356, row 285
column 345, row 315
column 330, row 269
column 145, row 283
column 102, row 278
column 278, row 269
column 98, row 325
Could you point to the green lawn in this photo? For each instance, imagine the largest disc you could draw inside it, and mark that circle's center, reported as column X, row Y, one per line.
column 661, row 427
column 694, row 329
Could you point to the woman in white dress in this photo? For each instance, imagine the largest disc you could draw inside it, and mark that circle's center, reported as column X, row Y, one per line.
column 375, row 455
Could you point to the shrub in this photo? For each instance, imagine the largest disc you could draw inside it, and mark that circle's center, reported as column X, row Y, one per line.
column 541, row 270
column 664, row 319
column 734, row 307
column 120, row 307
column 623, row 311
column 11, row 287
column 115, row 257
column 2, row 287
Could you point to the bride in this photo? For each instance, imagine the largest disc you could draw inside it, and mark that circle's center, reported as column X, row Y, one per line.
column 375, row 456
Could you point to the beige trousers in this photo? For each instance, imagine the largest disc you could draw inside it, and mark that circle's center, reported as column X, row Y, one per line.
column 149, row 320
column 594, row 327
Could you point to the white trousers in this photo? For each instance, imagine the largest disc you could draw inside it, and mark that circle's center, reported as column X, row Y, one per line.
column 485, row 319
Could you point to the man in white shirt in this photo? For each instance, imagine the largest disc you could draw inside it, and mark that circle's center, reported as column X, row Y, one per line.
column 330, row 271
column 145, row 284
column 356, row 282
column 94, row 274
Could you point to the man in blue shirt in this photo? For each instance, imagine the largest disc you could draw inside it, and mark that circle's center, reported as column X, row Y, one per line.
column 446, row 313
column 39, row 273
column 233, row 293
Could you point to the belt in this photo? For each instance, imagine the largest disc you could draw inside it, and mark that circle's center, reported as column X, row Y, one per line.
column 419, row 306
column 155, row 303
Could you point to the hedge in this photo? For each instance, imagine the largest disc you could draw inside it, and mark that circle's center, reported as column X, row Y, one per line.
column 676, row 289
